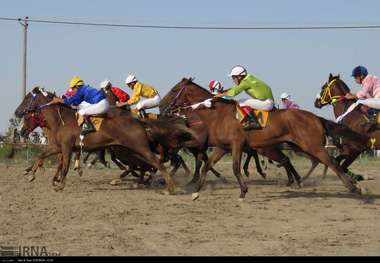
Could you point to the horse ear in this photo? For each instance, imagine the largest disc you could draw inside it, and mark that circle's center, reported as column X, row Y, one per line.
column 331, row 76
column 338, row 76
column 36, row 90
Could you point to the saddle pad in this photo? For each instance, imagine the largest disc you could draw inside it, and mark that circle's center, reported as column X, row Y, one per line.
column 97, row 122
column 261, row 115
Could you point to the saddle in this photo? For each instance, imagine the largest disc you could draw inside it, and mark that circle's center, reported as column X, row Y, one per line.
column 261, row 115
column 372, row 114
column 143, row 115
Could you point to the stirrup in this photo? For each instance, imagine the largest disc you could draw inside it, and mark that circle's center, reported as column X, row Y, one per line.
column 87, row 127
column 250, row 124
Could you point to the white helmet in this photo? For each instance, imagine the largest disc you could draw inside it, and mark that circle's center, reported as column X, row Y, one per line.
column 285, row 96
column 238, row 71
column 105, row 83
column 130, row 79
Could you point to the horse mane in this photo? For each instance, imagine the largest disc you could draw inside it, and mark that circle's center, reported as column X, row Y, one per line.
column 169, row 97
column 344, row 85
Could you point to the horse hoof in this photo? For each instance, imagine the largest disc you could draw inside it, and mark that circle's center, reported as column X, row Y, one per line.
column 223, row 179
column 241, row 199
column 25, row 172
column 368, row 177
column 31, row 178
column 165, row 192
column 59, row 187
column 80, row 172
column 115, row 182
column 195, row 196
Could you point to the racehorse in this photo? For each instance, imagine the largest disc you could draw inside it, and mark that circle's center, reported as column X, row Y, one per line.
column 119, row 128
column 333, row 93
column 301, row 129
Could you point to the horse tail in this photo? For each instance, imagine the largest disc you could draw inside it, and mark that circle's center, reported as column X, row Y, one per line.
column 340, row 131
column 169, row 133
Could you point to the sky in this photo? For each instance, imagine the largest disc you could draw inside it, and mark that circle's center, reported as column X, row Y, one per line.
column 296, row 62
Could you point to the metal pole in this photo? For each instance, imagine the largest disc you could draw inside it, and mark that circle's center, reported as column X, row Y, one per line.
column 24, row 53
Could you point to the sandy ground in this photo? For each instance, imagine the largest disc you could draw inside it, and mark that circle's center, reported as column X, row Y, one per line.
column 92, row 217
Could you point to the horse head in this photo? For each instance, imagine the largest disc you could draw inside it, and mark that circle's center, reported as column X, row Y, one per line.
column 332, row 91
column 33, row 101
column 184, row 93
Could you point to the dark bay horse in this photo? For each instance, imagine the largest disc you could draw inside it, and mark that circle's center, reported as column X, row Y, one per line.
column 118, row 129
column 302, row 129
column 333, row 93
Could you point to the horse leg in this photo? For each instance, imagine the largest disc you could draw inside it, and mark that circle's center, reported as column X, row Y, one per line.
column 77, row 166
column 86, row 157
column 348, row 182
column 102, row 158
column 152, row 160
column 56, row 177
column 215, row 172
column 324, row 171
column 66, row 158
column 216, row 155
column 40, row 159
column 246, row 164
column 34, row 167
column 115, row 160
column 314, row 164
column 176, row 163
column 295, row 174
column 236, row 157
column 184, row 165
column 258, row 165
column 198, row 163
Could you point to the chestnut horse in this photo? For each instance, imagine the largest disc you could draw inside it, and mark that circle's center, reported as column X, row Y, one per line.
column 301, row 129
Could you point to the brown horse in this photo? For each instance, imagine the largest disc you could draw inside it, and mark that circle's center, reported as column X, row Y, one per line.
column 333, row 93
column 118, row 129
column 301, row 129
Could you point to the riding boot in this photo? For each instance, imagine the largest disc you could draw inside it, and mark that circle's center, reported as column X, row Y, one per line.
column 251, row 122
column 142, row 114
column 87, row 127
column 372, row 118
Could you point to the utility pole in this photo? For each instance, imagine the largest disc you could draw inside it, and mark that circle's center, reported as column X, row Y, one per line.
column 24, row 53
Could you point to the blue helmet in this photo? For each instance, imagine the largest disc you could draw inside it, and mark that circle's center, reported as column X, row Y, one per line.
column 359, row 71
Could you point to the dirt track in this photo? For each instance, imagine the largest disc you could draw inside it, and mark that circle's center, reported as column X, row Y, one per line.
column 91, row 217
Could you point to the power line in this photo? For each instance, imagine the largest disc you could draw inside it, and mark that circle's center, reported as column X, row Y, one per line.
column 191, row 27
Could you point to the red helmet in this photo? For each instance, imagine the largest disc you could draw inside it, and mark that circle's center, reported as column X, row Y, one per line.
column 215, row 87
column 69, row 92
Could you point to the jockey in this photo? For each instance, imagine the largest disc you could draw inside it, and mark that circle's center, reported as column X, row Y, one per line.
column 369, row 95
column 96, row 102
column 215, row 87
column 121, row 95
column 287, row 103
column 260, row 93
column 152, row 98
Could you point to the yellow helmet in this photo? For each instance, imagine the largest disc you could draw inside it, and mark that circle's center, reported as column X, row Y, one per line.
column 76, row 81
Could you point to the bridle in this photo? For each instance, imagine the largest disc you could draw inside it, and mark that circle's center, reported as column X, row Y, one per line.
column 326, row 97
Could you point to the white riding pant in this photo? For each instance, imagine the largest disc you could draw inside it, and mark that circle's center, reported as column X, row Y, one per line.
column 92, row 109
column 149, row 103
column 373, row 103
column 266, row 105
